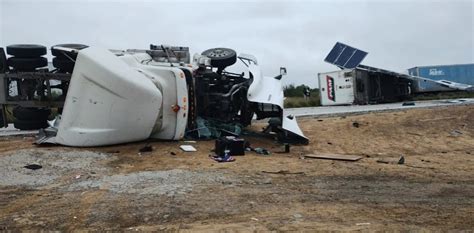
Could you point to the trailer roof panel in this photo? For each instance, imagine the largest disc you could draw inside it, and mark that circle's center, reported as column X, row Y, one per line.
column 345, row 56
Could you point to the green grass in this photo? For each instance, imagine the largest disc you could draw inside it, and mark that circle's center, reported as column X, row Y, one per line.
column 300, row 102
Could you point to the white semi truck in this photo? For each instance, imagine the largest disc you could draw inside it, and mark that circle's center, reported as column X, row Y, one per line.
column 118, row 96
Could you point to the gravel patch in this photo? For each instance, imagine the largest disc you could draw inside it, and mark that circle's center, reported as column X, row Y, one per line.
column 169, row 183
column 54, row 164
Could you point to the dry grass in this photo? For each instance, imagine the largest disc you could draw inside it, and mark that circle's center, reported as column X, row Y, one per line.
column 299, row 102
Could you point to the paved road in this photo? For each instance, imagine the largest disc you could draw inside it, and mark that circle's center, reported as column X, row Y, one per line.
column 11, row 131
column 351, row 109
column 317, row 111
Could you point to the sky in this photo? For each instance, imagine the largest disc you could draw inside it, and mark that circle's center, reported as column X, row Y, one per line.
column 397, row 34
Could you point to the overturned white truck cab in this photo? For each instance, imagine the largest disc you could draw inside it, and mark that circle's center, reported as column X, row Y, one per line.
column 124, row 96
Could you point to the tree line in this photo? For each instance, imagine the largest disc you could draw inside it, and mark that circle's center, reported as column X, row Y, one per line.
column 297, row 91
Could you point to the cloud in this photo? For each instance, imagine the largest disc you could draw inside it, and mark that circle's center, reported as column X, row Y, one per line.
column 296, row 34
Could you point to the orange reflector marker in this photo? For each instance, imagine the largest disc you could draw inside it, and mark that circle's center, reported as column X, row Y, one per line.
column 175, row 108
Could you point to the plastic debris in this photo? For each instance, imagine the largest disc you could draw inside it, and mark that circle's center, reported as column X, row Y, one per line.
column 188, row 148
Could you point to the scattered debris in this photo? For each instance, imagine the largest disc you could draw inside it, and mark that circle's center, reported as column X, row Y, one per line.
column 408, row 104
column 355, row 124
column 146, row 148
column 284, row 172
column 254, row 219
column 416, row 134
column 261, row 151
column 236, row 146
column 363, row 224
column 33, row 166
column 455, row 133
column 351, row 158
column 188, row 148
column 172, row 153
column 297, row 215
column 190, row 141
column 222, row 159
column 401, row 160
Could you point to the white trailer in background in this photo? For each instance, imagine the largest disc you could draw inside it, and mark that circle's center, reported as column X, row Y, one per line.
column 336, row 88
column 361, row 84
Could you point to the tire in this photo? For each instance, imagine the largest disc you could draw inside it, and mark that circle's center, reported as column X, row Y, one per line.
column 31, row 114
column 26, row 50
column 62, row 54
column 27, row 64
column 63, row 64
column 221, row 57
column 30, row 125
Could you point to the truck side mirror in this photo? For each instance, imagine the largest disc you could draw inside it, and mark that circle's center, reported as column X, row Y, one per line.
column 282, row 71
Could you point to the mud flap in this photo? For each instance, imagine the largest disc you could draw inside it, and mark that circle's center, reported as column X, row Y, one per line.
column 293, row 132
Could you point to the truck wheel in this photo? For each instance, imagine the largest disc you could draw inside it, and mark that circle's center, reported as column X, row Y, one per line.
column 26, row 50
column 62, row 54
column 27, row 64
column 30, row 125
column 63, row 64
column 31, row 114
column 221, row 57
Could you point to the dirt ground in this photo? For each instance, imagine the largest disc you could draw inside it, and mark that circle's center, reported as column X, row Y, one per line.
column 116, row 188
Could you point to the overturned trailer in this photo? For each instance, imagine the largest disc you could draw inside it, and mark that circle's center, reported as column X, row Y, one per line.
column 119, row 96
column 361, row 84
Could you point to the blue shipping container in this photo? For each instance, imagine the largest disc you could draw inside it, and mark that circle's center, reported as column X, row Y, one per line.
column 456, row 73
